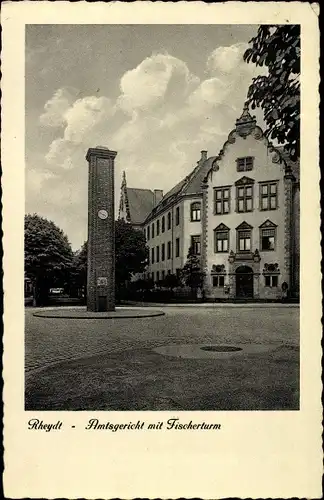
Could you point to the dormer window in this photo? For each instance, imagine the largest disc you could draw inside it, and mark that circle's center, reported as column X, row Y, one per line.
column 244, row 164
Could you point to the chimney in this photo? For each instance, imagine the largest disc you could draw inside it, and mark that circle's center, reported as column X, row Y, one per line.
column 203, row 155
column 158, row 195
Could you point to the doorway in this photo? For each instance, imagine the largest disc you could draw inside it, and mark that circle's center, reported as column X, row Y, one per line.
column 102, row 303
column 244, row 282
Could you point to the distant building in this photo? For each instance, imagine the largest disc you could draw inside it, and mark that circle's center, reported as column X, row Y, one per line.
column 239, row 211
column 135, row 205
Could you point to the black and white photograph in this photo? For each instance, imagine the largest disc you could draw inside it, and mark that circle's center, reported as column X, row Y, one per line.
column 161, row 234
column 162, row 217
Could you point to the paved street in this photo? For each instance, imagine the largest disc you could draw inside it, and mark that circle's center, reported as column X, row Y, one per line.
column 55, row 347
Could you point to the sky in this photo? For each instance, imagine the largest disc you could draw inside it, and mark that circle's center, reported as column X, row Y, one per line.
column 156, row 94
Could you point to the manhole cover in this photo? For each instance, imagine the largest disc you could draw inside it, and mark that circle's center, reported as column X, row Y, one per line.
column 212, row 351
column 220, row 348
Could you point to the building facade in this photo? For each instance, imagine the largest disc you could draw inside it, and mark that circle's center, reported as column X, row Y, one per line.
column 174, row 225
column 239, row 211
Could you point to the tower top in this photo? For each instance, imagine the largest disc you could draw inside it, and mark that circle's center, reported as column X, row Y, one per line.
column 246, row 123
column 245, row 116
column 100, row 152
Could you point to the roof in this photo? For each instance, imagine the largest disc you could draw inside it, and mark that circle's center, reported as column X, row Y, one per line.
column 140, row 202
column 191, row 184
column 294, row 165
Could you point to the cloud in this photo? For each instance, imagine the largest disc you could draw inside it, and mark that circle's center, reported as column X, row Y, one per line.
column 161, row 120
column 145, row 86
column 60, row 154
column 85, row 115
column 226, row 60
column 55, row 108
column 35, row 179
column 210, row 93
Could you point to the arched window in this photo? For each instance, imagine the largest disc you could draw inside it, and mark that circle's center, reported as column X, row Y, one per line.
column 195, row 211
column 221, row 239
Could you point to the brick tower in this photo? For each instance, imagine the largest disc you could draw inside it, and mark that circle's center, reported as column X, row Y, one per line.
column 101, row 230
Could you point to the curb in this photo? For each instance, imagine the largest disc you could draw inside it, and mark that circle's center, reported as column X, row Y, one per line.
column 77, row 314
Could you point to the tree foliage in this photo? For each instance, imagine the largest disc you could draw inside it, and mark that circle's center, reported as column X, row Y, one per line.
column 131, row 254
column 171, row 281
column 78, row 275
column 278, row 93
column 48, row 255
column 191, row 272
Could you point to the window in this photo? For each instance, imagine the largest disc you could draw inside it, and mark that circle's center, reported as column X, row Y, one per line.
column 244, row 241
column 218, row 281
column 268, row 236
column 177, row 216
column 152, row 256
column 153, row 227
column 177, row 252
column 195, row 209
column 169, row 220
column 243, row 237
column 169, row 271
column 157, row 276
column 178, row 272
column 163, row 224
column 148, row 233
column 221, row 239
column 163, row 275
column 222, row 200
column 157, row 228
column 244, row 164
column 163, row 251
column 271, row 281
column 269, row 196
column 268, row 239
column 169, row 250
column 195, row 244
column 244, row 198
column 144, row 231
column 157, row 254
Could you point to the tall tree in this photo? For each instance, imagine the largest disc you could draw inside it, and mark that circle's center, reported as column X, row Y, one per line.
column 78, row 275
column 131, row 252
column 131, row 255
column 278, row 93
column 171, row 281
column 192, row 273
column 48, row 256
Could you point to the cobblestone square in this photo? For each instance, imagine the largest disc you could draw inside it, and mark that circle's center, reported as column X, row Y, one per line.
column 112, row 364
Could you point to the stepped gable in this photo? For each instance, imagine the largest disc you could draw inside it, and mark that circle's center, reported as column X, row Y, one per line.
column 246, row 125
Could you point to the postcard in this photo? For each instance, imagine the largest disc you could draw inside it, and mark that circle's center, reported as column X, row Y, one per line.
column 161, row 231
